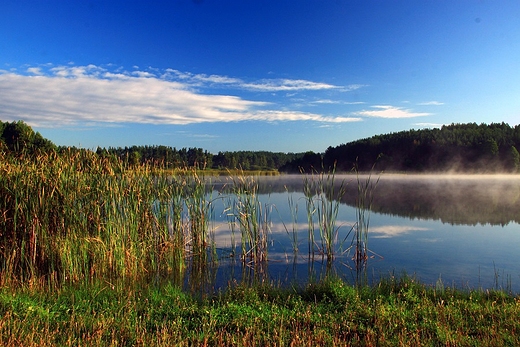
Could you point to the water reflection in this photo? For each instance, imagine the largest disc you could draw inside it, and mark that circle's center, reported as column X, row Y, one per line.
column 468, row 200
column 463, row 229
column 454, row 199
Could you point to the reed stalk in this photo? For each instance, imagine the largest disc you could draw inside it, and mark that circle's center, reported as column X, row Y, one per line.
column 253, row 219
column 293, row 208
column 323, row 198
column 309, row 193
column 364, row 200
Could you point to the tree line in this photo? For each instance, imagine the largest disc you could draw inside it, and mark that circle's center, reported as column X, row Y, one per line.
column 171, row 157
column 18, row 138
column 455, row 147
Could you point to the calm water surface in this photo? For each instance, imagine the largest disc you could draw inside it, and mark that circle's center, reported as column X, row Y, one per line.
column 461, row 230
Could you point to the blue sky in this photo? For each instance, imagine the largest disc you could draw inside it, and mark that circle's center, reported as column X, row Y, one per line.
column 224, row 75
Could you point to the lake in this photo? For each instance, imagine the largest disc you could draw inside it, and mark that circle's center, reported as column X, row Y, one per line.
column 451, row 230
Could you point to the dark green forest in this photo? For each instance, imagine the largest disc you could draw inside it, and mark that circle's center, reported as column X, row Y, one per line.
column 18, row 138
column 457, row 147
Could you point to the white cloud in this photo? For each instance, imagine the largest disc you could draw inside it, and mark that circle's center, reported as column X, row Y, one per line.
column 386, row 111
column 431, row 103
column 353, row 87
column 328, row 101
column 278, row 85
column 35, row 71
column 143, row 74
column 299, row 116
column 429, row 125
column 394, row 230
column 198, row 78
column 76, row 95
column 265, row 85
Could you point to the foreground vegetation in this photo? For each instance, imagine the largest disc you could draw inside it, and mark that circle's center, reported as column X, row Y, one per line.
column 76, row 217
column 93, row 252
column 396, row 312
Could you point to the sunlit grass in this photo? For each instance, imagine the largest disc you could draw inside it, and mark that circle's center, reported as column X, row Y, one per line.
column 76, row 217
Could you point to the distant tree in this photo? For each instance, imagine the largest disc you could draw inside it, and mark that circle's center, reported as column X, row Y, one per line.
column 489, row 148
column 306, row 162
column 515, row 159
column 20, row 138
column 134, row 158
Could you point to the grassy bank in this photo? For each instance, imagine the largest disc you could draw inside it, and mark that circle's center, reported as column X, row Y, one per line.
column 397, row 312
column 226, row 172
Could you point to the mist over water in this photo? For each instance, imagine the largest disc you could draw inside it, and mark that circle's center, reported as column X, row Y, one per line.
column 463, row 230
column 452, row 198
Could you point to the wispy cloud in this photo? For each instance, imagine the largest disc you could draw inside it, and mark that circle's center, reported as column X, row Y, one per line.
column 72, row 95
column 284, row 85
column 431, row 103
column 353, row 87
column 263, row 85
column 301, row 116
column 429, row 125
column 386, row 111
column 201, row 78
column 35, row 71
column 388, row 231
column 325, row 101
column 337, row 102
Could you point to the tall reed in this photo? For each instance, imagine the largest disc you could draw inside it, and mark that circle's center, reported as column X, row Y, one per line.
column 364, row 199
column 308, row 192
column 253, row 219
column 77, row 216
column 323, row 196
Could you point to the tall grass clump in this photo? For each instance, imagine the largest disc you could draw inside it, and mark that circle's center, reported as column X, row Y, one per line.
column 323, row 196
column 308, row 192
column 253, row 220
column 76, row 216
column 293, row 233
column 169, row 229
column 202, row 257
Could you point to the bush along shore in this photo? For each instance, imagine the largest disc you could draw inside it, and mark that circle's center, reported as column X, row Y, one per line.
column 395, row 312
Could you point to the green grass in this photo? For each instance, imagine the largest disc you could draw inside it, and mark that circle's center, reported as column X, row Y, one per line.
column 396, row 312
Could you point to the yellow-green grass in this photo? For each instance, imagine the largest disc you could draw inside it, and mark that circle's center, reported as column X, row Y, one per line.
column 76, row 217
